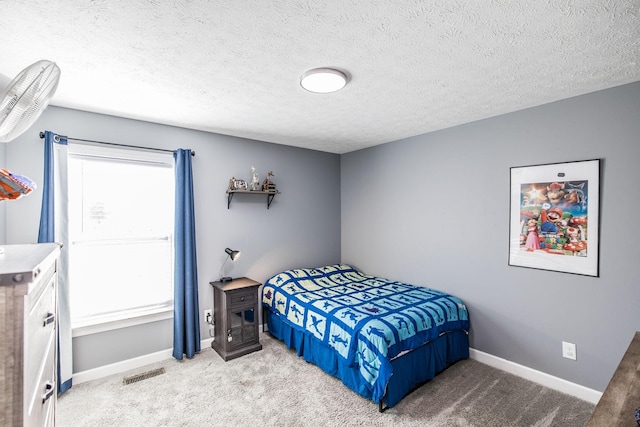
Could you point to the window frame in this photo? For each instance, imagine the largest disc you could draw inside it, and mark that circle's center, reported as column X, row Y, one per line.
column 130, row 317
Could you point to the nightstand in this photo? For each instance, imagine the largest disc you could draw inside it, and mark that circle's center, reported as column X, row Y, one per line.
column 235, row 313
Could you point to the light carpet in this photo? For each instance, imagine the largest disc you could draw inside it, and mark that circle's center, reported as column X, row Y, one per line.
column 274, row 387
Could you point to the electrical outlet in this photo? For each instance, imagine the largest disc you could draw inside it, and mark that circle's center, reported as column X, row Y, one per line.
column 569, row 350
column 208, row 316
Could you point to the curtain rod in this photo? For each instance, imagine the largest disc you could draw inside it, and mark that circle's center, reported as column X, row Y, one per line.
column 193, row 153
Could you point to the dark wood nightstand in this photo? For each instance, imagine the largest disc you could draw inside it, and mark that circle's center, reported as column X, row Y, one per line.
column 235, row 313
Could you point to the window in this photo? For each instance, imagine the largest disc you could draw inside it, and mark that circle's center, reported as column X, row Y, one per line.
column 121, row 208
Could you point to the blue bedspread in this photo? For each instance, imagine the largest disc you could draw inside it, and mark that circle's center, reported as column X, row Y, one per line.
column 367, row 320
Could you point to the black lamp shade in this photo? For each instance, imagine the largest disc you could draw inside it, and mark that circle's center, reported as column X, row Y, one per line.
column 232, row 254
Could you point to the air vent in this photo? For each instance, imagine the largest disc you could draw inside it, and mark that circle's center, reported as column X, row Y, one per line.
column 143, row 376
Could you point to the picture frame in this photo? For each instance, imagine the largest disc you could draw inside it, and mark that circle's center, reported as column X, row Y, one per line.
column 554, row 217
column 237, row 184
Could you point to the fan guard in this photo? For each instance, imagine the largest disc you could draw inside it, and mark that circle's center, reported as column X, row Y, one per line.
column 26, row 97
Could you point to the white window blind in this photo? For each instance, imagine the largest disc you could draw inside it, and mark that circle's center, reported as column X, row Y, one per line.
column 121, row 219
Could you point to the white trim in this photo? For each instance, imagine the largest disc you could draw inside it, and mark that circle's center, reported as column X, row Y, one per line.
column 103, row 324
column 126, row 365
column 564, row 386
column 559, row 384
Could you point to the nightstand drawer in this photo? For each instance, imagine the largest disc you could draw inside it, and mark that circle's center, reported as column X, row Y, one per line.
column 241, row 297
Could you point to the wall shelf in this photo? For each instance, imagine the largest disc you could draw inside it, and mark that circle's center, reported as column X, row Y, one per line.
column 270, row 195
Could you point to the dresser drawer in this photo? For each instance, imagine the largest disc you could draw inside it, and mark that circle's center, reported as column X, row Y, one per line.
column 41, row 396
column 39, row 330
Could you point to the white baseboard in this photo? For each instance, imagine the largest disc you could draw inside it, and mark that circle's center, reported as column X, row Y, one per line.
column 126, row 365
column 546, row 380
column 564, row 386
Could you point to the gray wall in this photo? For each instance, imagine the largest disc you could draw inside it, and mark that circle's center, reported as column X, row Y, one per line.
column 442, row 198
column 307, row 211
column 434, row 210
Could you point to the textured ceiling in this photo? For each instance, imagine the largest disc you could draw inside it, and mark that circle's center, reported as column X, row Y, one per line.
column 233, row 67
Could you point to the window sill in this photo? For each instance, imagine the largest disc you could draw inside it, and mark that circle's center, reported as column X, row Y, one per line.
column 99, row 324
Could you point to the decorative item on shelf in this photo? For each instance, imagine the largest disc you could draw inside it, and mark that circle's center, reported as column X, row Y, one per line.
column 268, row 188
column 268, row 184
column 237, row 184
column 255, row 182
column 234, row 255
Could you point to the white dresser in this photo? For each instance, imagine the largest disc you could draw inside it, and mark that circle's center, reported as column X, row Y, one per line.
column 28, row 290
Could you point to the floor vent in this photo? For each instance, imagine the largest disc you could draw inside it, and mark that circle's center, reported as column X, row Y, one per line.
column 143, row 376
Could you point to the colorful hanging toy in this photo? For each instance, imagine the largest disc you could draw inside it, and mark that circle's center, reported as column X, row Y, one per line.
column 14, row 186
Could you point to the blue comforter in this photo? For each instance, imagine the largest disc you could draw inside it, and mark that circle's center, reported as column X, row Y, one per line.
column 367, row 320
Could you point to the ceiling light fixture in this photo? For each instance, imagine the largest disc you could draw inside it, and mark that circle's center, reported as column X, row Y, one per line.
column 323, row 80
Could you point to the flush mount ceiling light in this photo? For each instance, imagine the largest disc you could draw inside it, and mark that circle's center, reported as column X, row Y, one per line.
column 323, row 80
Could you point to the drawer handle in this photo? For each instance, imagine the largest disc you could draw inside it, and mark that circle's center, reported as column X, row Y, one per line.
column 49, row 319
column 50, row 388
column 241, row 298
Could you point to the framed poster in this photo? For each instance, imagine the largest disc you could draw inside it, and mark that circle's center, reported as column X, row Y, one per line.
column 554, row 217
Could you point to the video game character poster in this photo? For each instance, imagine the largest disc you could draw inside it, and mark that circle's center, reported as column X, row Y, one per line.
column 554, row 217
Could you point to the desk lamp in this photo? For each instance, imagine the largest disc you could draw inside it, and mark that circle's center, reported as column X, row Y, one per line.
column 234, row 255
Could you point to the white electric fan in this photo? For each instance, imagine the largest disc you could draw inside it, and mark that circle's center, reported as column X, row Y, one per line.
column 21, row 103
column 26, row 97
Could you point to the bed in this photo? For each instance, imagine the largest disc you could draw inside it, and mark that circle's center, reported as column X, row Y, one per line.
column 382, row 338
